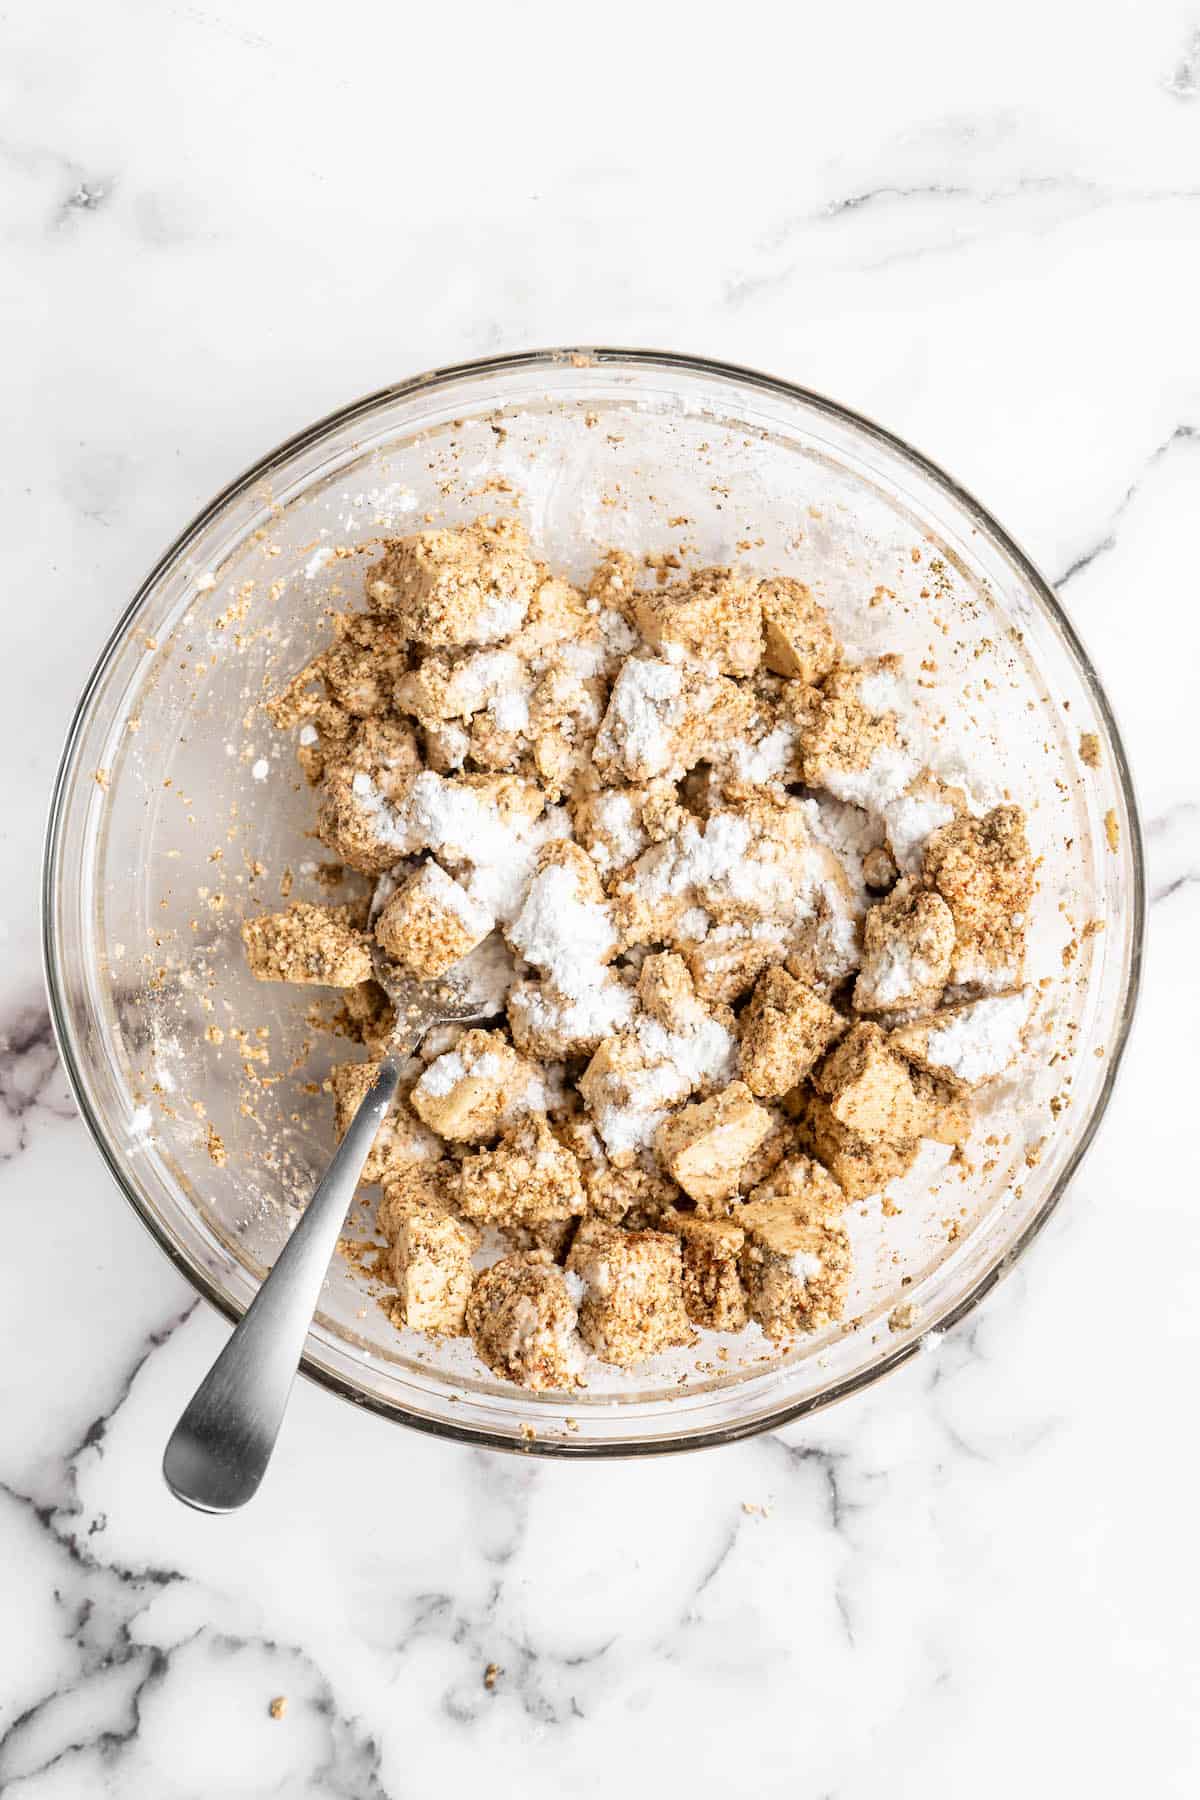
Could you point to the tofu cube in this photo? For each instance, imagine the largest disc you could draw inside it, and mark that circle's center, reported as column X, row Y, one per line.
column 727, row 962
column 908, row 948
column 521, row 1318
column 713, row 1295
column 529, row 1178
column 468, row 1094
column 401, row 1140
column 704, row 1146
column 785, row 1030
column 310, row 944
column 632, row 1300
column 430, row 1264
column 796, row 1270
column 799, row 640
column 423, row 1187
column 667, row 991
column 869, row 1088
column 983, row 870
column 363, row 791
column 716, row 615
column 860, row 1165
column 430, row 922
column 458, row 587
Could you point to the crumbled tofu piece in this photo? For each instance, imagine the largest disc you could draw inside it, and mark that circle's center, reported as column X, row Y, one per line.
column 632, row 1304
column 469, row 1094
column 473, row 585
column 800, row 642
column 796, row 1269
column 713, row 1295
column 430, row 922
column 314, row 944
column 522, row 1319
column 970, row 1043
column 869, row 1088
column 422, row 1187
column 401, row 1139
column 704, row 1146
column 983, row 871
column 430, row 1264
column 715, row 615
column 860, row 1165
column 665, row 716
column 908, row 948
column 361, row 790
column 851, row 742
column 785, row 1029
column 528, row 1178
column 368, row 1016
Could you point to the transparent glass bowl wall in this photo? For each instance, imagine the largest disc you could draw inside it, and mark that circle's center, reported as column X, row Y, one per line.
column 178, row 809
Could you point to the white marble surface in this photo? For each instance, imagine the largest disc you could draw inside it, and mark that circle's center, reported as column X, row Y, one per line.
column 983, row 228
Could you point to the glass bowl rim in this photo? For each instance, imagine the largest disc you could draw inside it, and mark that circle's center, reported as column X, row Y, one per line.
column 664, row 362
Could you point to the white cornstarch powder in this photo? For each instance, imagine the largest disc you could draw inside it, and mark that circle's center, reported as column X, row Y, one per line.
column 642, row 709
column 570, row 938
column 911, row 821
column 887, row 774
column 981, row 1039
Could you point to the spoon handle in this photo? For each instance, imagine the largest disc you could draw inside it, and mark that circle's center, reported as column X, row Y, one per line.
column 219, row 1451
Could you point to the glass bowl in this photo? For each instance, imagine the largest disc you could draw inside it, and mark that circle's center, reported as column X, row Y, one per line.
column 178, row 808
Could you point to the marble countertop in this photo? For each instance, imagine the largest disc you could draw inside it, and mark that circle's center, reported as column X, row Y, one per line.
column 981, row 227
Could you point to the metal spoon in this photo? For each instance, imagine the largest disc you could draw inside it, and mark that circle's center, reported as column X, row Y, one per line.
column 218, row 1453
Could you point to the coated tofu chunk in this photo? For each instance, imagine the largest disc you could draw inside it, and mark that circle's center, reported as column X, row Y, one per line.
column 785, row 1029
column 430, row 922
column 869, row 1088
column 427, row 1186
column 796, row 1270
column 968, row 1044
column 713, row 1295
column 472, row 1091
column 401, row 1140
column 664, row 716
column 983, row 871
column 452, row 588
column 716, row 615
column 704, row 1146
column 908, row 948
column 522, row 1321
column 803, row 1185
column 362, row 790
column 799, row 640
column 430, row 1264
column 310, row 944
column 860, row 1165
column 529, row 1178
column 632, row 1301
